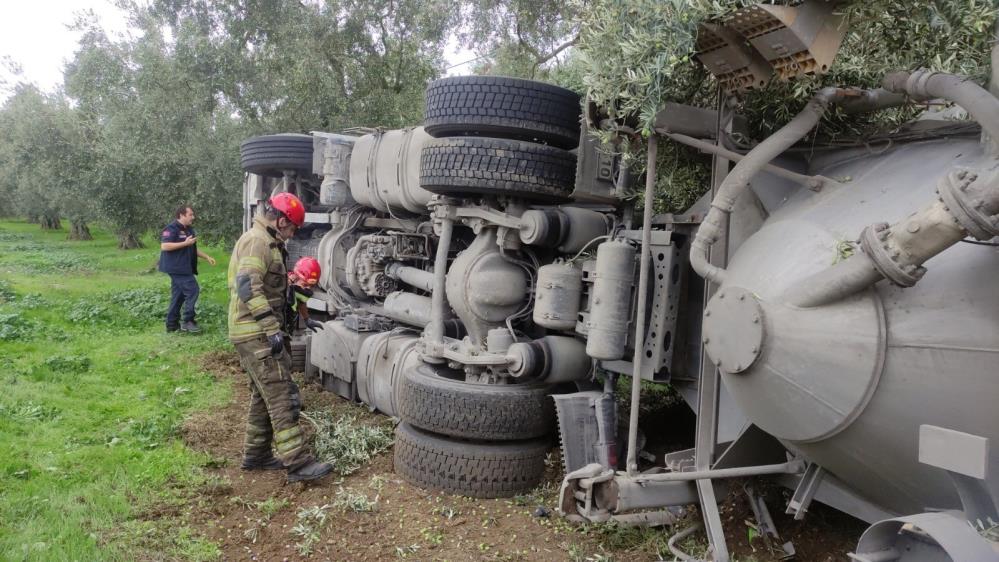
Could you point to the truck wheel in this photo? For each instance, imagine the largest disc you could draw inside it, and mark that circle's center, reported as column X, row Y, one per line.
column 467, row 468
column 503, row 107
column 271, row 155
column 460, row 166
column 493, row 412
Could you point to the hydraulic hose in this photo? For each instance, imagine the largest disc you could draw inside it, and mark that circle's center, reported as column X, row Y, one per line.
column 924, row 85
column 713, row 225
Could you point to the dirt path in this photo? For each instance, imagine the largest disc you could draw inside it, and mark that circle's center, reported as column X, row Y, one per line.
column 257, row 516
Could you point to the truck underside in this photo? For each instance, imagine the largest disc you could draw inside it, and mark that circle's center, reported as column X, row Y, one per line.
column 487, row 280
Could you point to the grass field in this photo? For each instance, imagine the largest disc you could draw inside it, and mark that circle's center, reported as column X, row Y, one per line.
column 93, row 392
column 102, row 413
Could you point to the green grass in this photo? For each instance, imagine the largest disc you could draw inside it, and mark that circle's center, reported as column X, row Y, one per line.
column 93, row 393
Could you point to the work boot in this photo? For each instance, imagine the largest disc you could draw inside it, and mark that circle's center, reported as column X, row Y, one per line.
column 190, row 326
column 311, row 470
column 262, row 463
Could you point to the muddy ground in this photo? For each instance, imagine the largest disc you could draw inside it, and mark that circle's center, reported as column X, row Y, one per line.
column 257, row 516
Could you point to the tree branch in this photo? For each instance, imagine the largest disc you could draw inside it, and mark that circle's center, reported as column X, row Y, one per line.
column 542, row 60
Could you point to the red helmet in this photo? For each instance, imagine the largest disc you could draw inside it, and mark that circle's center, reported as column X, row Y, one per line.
column 308, row 269
column 291, row 206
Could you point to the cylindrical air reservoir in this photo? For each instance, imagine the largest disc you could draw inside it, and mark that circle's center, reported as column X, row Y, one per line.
column 556, row 302
column 385, row 171
column 610, row 307
column 335, row 189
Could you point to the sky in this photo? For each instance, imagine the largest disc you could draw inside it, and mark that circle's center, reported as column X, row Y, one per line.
column 34, row 34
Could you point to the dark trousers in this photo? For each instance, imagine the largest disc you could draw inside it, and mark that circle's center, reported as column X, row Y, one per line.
column 184, row 293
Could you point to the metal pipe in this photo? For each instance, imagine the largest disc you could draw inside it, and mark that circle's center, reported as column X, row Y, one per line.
column 671, row 543
column 407, row 308
column 411, row 276
column 812, row 182
column 863, row 101
column 435, row 330
column 643, row 289
column 834, row 283
column 899, row 250
column 932, row 229
column 789, row 467
column 924, row 85
column 713, row 225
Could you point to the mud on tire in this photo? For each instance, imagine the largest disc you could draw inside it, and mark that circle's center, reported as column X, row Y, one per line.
column 467, row 468
column 270, row 155
column 473, row 165
column 495, row 412
column 494, row 106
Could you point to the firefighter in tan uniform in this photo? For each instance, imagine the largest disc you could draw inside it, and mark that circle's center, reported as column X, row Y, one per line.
column 257, row 303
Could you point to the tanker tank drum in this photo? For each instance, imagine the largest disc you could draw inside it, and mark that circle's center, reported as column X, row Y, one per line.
column 849, row 383
column 610, row 309
column 556, row 303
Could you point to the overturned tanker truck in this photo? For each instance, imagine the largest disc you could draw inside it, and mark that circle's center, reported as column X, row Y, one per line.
column 486, row 281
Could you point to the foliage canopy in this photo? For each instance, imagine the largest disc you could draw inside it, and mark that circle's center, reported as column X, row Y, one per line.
column 154, row 118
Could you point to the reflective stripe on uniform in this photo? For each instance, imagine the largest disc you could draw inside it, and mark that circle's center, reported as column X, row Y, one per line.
column 258, row 302
column 287, row 440
column 244, row 329
column 252, row 262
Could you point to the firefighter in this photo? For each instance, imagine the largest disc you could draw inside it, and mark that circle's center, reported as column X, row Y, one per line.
column 258, row 285
column 301, row 279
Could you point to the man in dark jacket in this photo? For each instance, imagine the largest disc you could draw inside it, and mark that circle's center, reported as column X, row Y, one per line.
column 179, row 258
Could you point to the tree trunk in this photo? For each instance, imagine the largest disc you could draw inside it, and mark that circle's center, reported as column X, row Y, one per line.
column 78, row 230
column 129, row 241
column 50, row 222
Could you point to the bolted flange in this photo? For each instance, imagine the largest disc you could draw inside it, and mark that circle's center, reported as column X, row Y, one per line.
column 970, row 198
column 874, row 243
column 733, row 329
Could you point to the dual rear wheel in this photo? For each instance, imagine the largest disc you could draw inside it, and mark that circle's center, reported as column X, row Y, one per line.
column 500, row 137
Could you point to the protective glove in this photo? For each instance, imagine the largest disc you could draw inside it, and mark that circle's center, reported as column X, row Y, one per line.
column 313, row 324
column 277, row 343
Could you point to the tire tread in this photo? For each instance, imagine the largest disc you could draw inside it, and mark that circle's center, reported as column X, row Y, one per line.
column 470, row 469
column 503, row 107
column 475, row 411
column 475, row 165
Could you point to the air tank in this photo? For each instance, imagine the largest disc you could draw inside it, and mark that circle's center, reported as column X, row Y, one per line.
column 610, row 308
column 385, row 171
column 556, row 300
column 849, row 384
